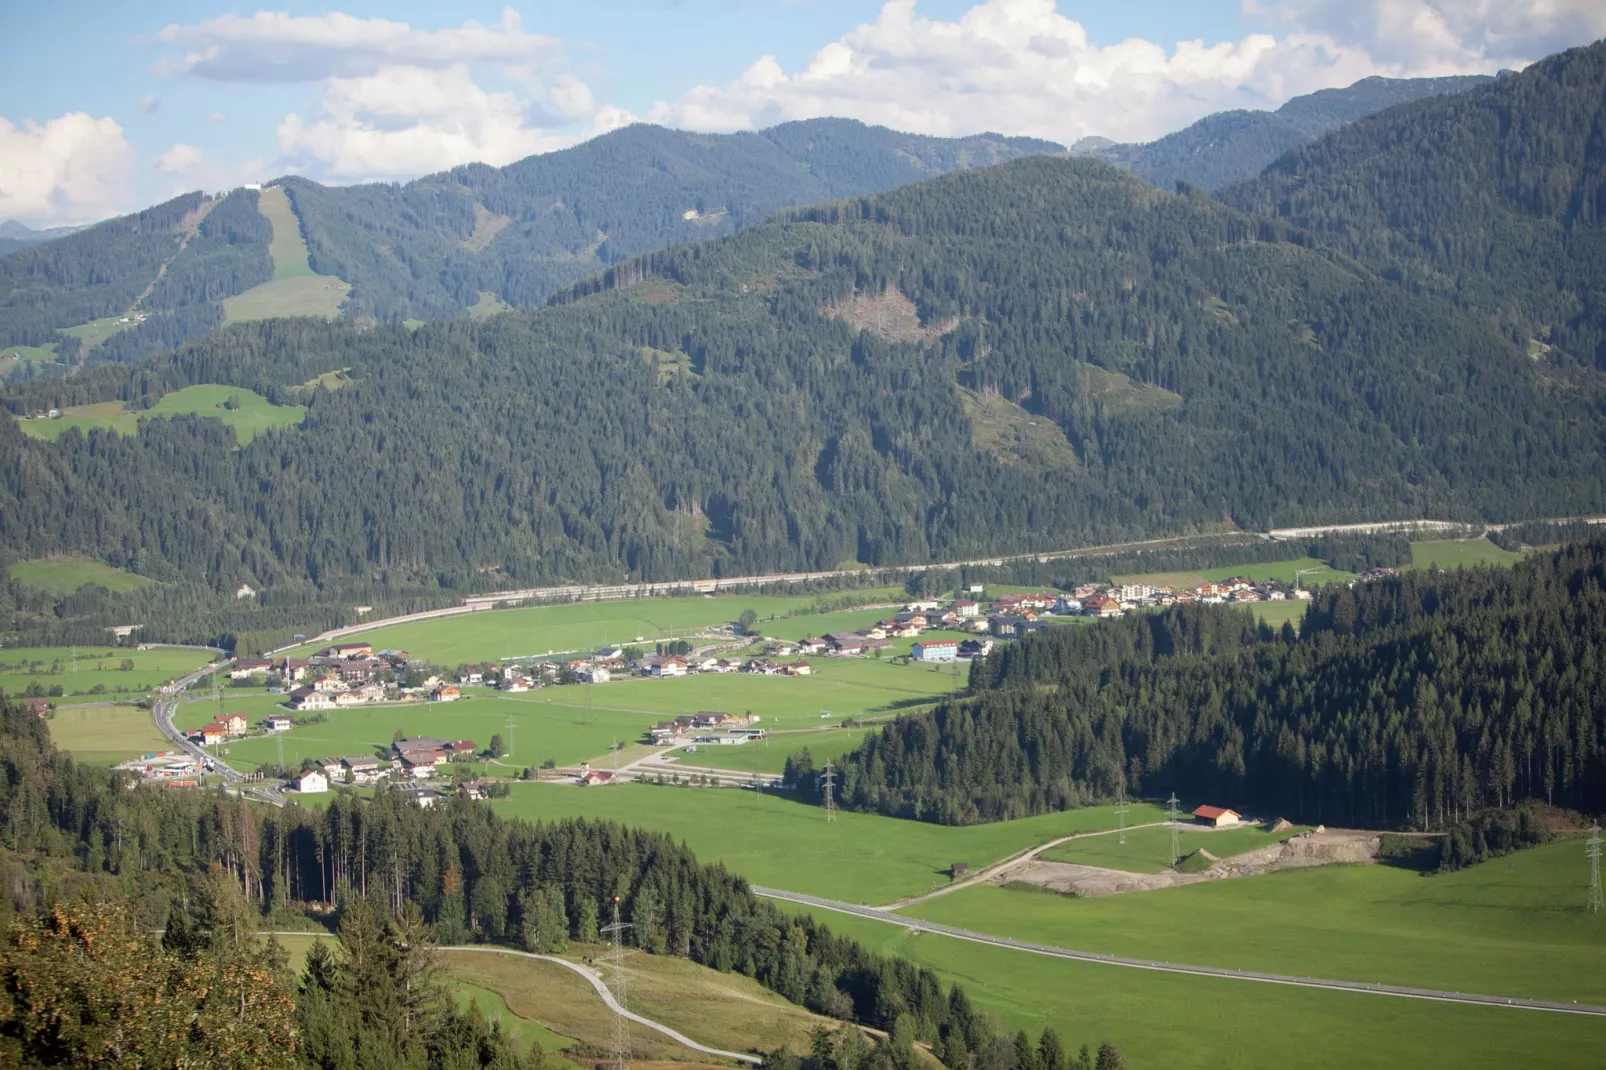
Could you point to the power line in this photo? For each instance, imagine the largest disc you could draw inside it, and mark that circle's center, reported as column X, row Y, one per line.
column 1172, row 815
column 616, row 985
column 827, row 779
column 1592, row 849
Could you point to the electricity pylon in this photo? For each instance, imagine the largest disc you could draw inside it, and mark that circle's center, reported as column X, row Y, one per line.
column 1172, row 815
column 1592, row 849
column 827, row 779
column 1120, row 815
column 616, row 986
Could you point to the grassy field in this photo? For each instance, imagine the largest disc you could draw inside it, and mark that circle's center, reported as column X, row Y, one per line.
column 769, row 755
column 295, row 289
column 777, row 841
column 567, row 735
column 1178, row 1022
column 105, row 735
column 488, row 304
column 582, row 626
column 1315, row 573
column 255, row 413
column 841, row 686
column 1276, row 613
column 21, row 666
column 45, row 354
column 95, row 332
column 65, row 574
column 1148, row 850
column 1511, row 927
column 1460, row 553
column 493, row 1008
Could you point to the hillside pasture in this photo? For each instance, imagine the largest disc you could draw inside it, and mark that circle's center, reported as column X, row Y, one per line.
column 1315, row 573
column 1147, row 850
column 1198, row 1023
column 1515, row 926
column 288, row 249
column 773, row 839
column 64, row 574
column 97, row 667
column 1459, row 553
column 45, row 354
column 95, row 332
column 295, row 289
column 252, row 415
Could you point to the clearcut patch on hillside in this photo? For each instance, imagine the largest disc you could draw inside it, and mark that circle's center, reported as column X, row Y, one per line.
column 487, row 225
column 889, row 315
column 1013, row 436
column 1119, row 393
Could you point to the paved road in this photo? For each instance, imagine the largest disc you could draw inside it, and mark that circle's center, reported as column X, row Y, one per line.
column 613, row 1005
column 163, row 708
column 919, row 926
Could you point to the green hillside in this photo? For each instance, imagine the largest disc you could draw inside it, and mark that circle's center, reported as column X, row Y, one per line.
column 1491, row 197
column 1234, row 145
column 294, row 290
column 1159, row 364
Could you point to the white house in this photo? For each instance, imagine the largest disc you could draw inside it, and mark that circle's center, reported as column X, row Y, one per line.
column 935, row 650
column 312, row 782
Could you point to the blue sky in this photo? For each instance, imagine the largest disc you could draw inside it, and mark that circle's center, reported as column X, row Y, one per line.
column 108, row 105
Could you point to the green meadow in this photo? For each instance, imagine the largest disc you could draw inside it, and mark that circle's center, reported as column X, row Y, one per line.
column 295, row 290
column 838, row 686
column 105, row 735
column 45, row 354
column 95, row 332
column 65, row 574
column 1180, row 1022
column 1460, row 553
column 582, row 626
column 97, row 666
column 252, row 414
column 1148, row 850
column 772, row 839
column 1311, row 573
column 1515, row 926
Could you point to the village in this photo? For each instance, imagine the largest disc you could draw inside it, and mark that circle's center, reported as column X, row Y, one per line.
column 351, row 674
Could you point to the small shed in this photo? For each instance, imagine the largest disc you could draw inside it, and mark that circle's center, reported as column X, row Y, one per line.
column 958, row 869
column 1216, row 817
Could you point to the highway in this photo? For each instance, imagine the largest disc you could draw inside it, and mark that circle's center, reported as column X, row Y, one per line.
column 915, row 925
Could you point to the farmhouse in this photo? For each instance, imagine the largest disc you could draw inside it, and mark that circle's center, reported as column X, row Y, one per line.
column 233, row 723
column 213, row 733
column 295, row 669
column 347, row 650
column 934, row 650
column 245, row 668
column 1216, row 817
column 311, row 782
column 445, row 693
column 798, row 668
column 38, row 706
column 594, row 777
column 667, row 667
column 307, row 698
column 362, row 770
column 425, row 797
column 278, row 722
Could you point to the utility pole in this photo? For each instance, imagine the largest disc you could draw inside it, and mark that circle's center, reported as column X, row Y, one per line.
column 827, row 779
column 1173, row 815
column 1592, row 849
column 616, row 985
column 1120, row 815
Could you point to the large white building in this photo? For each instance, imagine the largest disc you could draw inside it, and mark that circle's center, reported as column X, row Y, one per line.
column 312, row 782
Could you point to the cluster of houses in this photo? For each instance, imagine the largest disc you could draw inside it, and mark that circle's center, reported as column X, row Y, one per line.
column 411, row 759
column 172, row 768
column 709, row 727
column 346, row 674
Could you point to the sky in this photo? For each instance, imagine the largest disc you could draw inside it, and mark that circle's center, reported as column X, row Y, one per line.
column 107, row 106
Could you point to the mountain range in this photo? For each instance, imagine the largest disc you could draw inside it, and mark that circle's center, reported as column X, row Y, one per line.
column 1041, row 353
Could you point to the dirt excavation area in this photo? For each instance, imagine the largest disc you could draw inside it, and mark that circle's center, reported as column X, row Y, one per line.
column 1317, row 848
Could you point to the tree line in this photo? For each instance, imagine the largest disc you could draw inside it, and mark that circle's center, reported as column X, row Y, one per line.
column 1417, row 701
column 73, row 833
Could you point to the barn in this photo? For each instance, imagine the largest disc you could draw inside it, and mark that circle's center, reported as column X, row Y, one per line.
column 1216, row 817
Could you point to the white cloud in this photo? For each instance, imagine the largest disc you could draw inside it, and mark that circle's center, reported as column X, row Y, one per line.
column 180, row 159
column 71, row 169
column 273, row 46
column 1425, row 32
column 1021, row 67
column 405, row 121
column 149, row 104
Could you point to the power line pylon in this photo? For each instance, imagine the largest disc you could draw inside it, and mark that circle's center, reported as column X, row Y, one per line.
column 1592, row 849
column 511, row 725
column 615, row 931
column 1172, row 816
column 1120, row 815
column 827, row 780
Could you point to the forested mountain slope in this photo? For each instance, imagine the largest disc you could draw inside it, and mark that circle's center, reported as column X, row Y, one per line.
column 15, row 235
column 1040, row 354
column 428, row 248
column 1417, row 700
column 1494, row 198
column 1234, row 145
column 172, row 263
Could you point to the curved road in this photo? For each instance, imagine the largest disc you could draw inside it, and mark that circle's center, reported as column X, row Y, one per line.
column 613, row 1005
column 163, row 708
column 918, row 926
